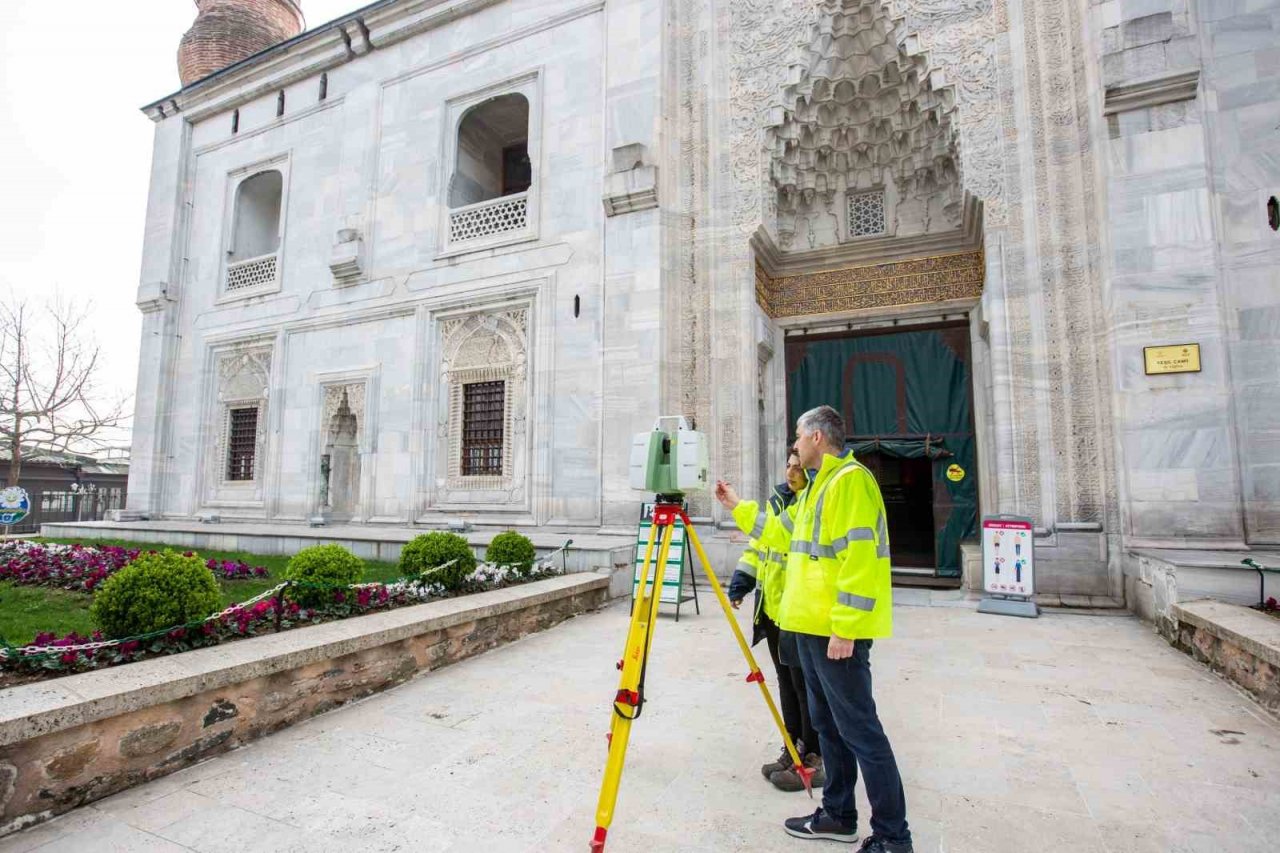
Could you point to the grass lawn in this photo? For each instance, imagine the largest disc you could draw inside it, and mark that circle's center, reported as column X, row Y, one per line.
column 28, row 610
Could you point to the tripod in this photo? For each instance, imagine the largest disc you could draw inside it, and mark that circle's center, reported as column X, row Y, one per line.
column 629, row 700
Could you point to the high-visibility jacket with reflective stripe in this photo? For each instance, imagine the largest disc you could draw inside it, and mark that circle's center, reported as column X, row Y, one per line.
column 838, row 579
column 760, row 560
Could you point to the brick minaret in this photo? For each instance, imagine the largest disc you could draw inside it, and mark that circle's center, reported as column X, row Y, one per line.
column 227, row 31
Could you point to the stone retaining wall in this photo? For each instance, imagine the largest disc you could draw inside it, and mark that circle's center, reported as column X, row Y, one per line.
column 1238, row 643
column 73, row 740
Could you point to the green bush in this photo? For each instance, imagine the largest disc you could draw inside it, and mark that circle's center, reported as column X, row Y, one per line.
column 325, row 565
column 431, row 550
column 512, row 549
column 155, row 592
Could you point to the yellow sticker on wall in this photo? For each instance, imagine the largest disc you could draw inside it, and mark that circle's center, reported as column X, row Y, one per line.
column 955, row 473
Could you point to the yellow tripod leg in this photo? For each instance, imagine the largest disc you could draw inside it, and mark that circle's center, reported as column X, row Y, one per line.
column 756, row 675
column 627, row 702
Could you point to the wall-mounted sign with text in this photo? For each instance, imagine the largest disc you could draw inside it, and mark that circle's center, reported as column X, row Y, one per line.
column 1178, row 358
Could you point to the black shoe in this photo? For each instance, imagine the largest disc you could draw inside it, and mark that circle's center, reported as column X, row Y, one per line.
column 822, row 826
column 877, row 844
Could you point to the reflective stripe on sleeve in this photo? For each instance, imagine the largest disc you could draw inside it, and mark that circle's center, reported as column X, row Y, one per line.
column 813, row 549
column 748, row 569
column 787, row 523
column 758, row 530
column 882, row 548
column 857, row 602
column 857, row 534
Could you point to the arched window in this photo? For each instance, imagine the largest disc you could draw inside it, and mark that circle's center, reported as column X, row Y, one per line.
column 492, row 158
column 257, row 222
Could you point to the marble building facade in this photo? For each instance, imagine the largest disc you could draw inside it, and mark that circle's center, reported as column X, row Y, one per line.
column 404, row 323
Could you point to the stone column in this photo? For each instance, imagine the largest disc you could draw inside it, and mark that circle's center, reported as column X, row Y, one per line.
column 635, row 306
column 158, row 299
column 1177, row 440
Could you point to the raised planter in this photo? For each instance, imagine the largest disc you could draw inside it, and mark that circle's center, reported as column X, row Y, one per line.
column 589, row 552
column 71, row 741
column 1237, row 642
column 1156, row 580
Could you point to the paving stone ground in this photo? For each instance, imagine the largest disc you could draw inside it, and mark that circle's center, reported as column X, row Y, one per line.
column 1066, row 733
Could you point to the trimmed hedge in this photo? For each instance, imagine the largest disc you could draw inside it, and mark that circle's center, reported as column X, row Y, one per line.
column 323, row 565
column 512, row 549
column 432, row 550
column 155, row 592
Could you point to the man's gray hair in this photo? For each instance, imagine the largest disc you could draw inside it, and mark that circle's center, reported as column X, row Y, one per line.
column 826, row 420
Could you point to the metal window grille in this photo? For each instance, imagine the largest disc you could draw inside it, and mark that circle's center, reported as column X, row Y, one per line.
column 483, row 418
column 242, row 443
column 866, row 214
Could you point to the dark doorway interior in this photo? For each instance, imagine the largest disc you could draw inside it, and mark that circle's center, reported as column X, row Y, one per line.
column 905, row 395
column 907, row 488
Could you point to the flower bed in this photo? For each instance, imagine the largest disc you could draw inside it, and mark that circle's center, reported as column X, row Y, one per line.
column 273, row 610
column 73, row 567
column 235, row 570
column 82, row 568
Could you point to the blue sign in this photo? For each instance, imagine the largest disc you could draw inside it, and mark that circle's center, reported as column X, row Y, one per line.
column 15, row 505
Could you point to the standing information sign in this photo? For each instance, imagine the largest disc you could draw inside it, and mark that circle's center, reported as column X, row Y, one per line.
column 673, row 591
column 1008, row 566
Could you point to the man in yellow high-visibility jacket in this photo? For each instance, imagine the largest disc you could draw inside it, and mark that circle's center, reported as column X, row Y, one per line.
column 837, row 599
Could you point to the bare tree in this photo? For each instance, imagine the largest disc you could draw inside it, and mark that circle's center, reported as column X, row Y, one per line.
column 49, row 397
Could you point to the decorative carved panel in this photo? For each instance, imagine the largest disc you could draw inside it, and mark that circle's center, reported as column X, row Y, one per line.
column 912, row 282
column 244, row 381
column 486, row 348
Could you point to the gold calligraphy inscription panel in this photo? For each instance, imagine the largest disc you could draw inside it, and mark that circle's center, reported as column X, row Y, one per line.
column 914, row 282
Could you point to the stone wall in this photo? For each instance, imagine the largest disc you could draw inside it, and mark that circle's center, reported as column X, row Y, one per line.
column 368, row 283
column 71, row 741
column 1240, row 644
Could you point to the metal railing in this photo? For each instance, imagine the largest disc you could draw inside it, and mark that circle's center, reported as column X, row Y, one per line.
column 1262, row 571
column 64, row 506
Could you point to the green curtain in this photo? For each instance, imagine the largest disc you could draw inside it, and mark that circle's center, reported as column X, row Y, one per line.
column 903, row 448
column 899, row 388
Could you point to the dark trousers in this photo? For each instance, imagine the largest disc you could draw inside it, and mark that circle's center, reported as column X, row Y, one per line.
column 844, row 713
column 792, row 696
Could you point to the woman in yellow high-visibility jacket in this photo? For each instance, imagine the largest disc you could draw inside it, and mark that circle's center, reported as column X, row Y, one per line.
column 761, row 568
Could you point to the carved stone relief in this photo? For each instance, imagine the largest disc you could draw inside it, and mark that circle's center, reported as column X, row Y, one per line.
column 243, row 381
column 910, row 282
column 860, row 114
column 486, row 347
column 342, row 430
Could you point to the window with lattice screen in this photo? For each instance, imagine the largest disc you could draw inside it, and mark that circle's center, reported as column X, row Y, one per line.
column 866, row 214
column 242, row 443
column 483, row 423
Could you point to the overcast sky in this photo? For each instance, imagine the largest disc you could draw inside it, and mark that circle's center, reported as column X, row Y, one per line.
column 75, row 151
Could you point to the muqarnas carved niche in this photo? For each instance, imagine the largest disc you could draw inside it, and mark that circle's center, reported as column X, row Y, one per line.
column 860, row 117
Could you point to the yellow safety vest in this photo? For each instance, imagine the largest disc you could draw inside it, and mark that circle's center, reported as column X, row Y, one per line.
column 838, row 579
column 760, row 560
